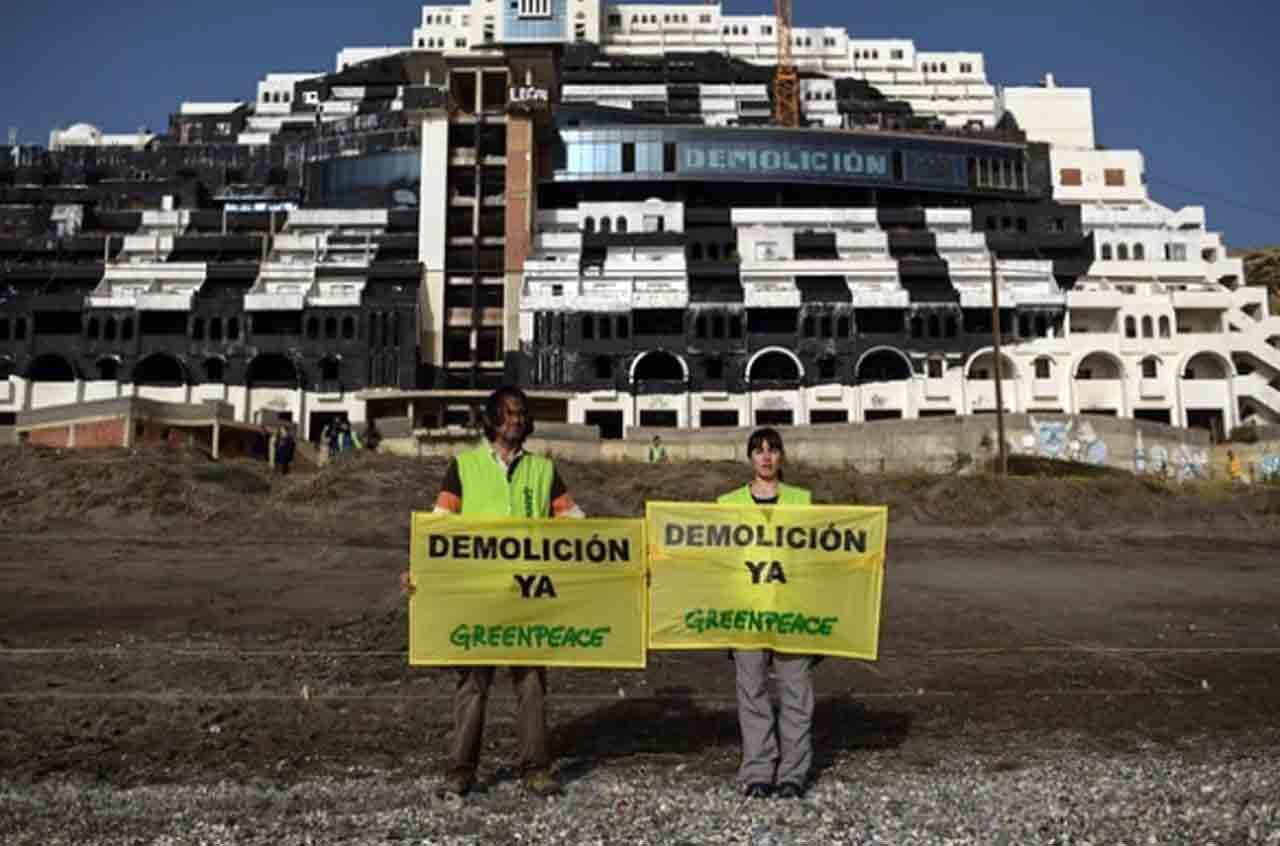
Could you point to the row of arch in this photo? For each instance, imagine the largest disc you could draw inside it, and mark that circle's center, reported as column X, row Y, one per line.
column 1148, row 327
column 1122, row 252
column 165, row 369
column 889, row 364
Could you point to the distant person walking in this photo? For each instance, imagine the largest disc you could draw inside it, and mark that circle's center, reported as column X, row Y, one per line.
column 372, row 437
column 657, row 452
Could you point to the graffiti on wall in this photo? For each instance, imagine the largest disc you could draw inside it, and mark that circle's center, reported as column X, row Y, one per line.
column 1065, row 440
column 1190, row 464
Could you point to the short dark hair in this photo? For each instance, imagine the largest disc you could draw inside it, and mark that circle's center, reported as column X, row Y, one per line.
column 495, row 408
column 766, row 435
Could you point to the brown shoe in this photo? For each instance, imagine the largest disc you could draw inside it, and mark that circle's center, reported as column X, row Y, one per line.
column 457, row 783
column 541, row 783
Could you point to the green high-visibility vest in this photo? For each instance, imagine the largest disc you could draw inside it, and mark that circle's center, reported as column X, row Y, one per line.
column 486, row 491
column 787, row 495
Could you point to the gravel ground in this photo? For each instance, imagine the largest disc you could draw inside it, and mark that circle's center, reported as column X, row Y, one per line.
column 1209, row 796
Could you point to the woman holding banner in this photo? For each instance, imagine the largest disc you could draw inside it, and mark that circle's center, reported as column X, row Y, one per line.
column 777, row 754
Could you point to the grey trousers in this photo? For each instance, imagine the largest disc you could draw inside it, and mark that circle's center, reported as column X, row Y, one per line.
column 778, row 750
column 469, row 701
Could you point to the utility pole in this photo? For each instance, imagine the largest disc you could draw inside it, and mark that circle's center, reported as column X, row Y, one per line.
column 1002, row 467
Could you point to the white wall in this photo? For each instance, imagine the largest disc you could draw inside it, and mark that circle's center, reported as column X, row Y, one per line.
column 1062, row 117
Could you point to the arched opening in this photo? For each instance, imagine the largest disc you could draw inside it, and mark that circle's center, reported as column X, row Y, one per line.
column 197, row 329
column 1206, row 366
column 695, row 252
column 215, row 328
column 272, row 370
column 214, row 370
column 329, row 370
column 1106, row 252
column 606, row 226
column 774, row 366
column 109, row 329
column 1098, row 366
column 621, row 225
column 883, row 365
column 982, row 366
column 1150, row 367
column 917, row 327
column 713, row 252
column 1043, row 367
column 108, row 368
column 91, row 329
column 1139, row 252
column 1164, row 326
column 126, row 329
column 51, row 367
column 348, row 328
column 589, row 224
column 1147, row 330
column 233, row 329
column 330, row 328
column 159, row 369
column 935, row 326
column 313, row 328
column 1130, row 327
column 658, row 365
column 1122, row 252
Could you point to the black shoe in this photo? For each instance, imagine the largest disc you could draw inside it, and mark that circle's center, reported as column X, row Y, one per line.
column 456, row 783
column 758, row 790
column 790, row 790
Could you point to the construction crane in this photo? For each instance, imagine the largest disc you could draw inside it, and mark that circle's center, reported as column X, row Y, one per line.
column 786, row 81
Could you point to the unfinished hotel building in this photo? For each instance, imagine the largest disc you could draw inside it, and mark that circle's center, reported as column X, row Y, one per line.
column 593, row 201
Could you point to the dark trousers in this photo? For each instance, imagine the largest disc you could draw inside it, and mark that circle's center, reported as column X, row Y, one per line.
column 469, row 701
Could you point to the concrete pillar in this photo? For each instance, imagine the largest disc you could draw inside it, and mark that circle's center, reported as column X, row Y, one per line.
column 432, row 235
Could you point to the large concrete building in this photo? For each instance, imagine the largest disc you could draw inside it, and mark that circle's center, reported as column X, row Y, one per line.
column 593, row 200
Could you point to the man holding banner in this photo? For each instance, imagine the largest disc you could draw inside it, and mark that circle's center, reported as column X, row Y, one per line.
column 500, row 479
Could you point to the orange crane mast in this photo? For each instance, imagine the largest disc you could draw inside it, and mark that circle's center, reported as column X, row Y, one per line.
column 786, row 81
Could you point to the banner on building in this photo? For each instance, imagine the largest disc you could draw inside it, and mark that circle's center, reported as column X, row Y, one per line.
column 801, row 580
column 560, row 593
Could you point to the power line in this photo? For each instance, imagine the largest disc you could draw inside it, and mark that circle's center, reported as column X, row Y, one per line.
column 1223, row 198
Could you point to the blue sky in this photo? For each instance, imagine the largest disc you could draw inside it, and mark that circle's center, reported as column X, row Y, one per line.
column 1192, row 86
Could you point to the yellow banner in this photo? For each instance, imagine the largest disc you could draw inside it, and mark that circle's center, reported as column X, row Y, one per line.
column 559, row 593
column 797, row 579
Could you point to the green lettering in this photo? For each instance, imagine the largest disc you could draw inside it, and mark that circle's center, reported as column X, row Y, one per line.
column 726, row 619
column 495, row 635
column 740, row 619
column 597, row 636
column 786, row 623
column 693, row 620
column 827, row 624
column 757, row 621
column 556, row 638
column 458, row 637
column 509, row 635
column 477, row 635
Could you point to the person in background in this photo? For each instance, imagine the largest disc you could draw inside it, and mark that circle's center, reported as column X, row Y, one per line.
column 372, row 437
column 286, row 445
column 777, row 752
column 657, row 452
column 1235, row 471
column 500, row 479
column 330, row 438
